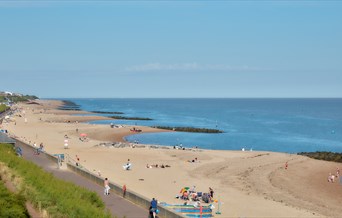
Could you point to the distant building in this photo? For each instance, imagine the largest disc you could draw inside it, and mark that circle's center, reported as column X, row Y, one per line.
column 8, row 93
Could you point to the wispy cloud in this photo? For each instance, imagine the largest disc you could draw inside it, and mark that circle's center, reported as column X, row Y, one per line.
column 188, row 67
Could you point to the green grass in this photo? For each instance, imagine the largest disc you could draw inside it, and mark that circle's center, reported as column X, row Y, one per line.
column 3, row 108
column 324, row 155
column 11, row 205
column 15, row 98
column 57, row 197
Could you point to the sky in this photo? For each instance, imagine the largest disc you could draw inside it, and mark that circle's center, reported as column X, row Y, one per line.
column 171, row 49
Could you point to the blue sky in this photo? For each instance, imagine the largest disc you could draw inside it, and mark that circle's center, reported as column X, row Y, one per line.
column 171, row 48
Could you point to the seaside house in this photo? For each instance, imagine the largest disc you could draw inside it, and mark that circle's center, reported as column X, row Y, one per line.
column 8, row 93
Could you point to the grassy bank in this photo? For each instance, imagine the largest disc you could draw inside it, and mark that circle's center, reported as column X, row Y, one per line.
column 57, row 197
column 11, row 205
column 3, row 108
column 324, row 155
column 17, row 98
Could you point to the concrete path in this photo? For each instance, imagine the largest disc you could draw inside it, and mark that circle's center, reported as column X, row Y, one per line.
column 117, row 205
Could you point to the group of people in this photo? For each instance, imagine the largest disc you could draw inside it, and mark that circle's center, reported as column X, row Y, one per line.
column 39, row 149
column 332, row 177
column 157, row 166
column 193, row 160
column 83, row 139
column 135, row 130
column 191, row 194
column 153, row 210
column 107, row 188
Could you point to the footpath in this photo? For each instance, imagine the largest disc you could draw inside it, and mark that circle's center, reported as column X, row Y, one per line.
column 117, row 205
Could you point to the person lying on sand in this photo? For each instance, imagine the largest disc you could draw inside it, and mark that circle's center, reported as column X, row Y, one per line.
column 193, row 160
column 157, row 166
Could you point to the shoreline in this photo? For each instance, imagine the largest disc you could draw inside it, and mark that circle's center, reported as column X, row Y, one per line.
column 249, row 183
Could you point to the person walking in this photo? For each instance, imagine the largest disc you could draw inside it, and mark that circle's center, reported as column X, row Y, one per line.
column 124, row 190
column 153, row 207
column 77, row 161
column 40, row 149
column 19, row 151
column 106, row 186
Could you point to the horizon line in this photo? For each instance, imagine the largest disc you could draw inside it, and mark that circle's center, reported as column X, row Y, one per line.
column 190, row 98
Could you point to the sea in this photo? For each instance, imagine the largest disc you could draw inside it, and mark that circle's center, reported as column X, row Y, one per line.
column 280, row 125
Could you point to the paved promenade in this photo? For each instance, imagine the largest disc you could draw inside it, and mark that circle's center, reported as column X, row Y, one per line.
column 117, row 205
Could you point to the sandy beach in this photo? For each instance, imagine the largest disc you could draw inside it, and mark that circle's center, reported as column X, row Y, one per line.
column 247, row 183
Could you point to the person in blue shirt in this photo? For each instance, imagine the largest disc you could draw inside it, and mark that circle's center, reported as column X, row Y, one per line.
column 153, row 207
column 19, row 152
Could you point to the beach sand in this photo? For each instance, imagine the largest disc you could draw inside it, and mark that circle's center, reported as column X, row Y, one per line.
column 248, row 184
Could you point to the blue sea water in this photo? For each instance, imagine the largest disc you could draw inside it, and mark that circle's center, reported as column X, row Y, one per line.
column 284, row 125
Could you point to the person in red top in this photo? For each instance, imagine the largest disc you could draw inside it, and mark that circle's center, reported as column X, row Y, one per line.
column 124, row 190
column 286, row 165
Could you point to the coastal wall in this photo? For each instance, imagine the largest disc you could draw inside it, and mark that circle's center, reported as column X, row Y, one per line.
column 115, row 188
column 129, row 195
column 49, row 156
